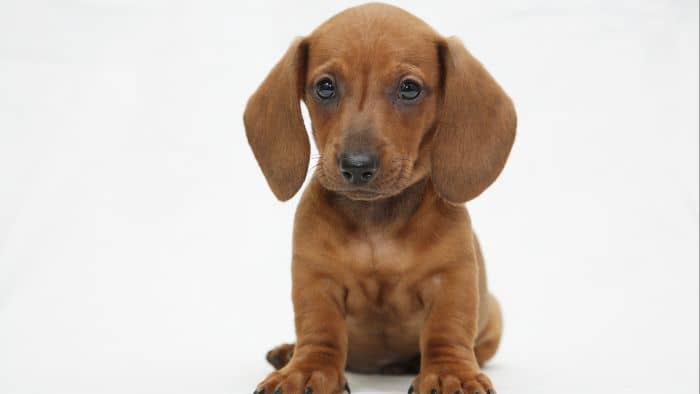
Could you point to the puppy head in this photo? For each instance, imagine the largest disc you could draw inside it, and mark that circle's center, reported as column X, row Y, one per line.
column 390, row 101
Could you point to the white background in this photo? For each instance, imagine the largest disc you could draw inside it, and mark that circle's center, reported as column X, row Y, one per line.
column 141, row 251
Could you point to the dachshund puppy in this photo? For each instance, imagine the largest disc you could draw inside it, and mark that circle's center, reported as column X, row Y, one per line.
column 387, row 273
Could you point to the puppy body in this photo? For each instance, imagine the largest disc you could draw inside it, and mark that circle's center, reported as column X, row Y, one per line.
column 387, row 273
column 392, row 258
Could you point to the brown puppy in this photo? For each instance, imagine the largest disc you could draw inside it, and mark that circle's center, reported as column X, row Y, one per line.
column 387, row 273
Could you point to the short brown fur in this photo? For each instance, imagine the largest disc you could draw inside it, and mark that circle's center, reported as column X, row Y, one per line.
column 388, row 277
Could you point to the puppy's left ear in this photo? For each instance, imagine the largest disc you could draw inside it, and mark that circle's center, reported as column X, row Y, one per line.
column 274, row 125
column 475, row 127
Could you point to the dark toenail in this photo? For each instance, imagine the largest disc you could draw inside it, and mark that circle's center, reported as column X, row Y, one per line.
column 458, row 392
column 433, row 391
column 259, row 391
column 278, row 391
column 347, row 388
column 308, row 390
column 489, row 391
column 410, row 390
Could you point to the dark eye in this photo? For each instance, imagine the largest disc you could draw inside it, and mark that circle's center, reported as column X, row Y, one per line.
column 409, row 90
column 325, row 89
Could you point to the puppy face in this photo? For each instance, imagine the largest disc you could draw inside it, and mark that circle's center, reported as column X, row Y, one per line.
column 390, row 102
column 372, row 88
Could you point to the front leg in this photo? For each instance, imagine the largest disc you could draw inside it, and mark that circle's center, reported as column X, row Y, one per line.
column 448, row 362
column 321, row 350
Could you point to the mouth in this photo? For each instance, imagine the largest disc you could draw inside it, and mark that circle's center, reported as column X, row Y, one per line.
column 362, row 195
column 369, row 194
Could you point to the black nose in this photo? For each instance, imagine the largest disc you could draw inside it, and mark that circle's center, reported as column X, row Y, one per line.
column 358, row 168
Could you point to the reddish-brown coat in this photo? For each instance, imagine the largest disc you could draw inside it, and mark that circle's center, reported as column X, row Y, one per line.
column 391, row 272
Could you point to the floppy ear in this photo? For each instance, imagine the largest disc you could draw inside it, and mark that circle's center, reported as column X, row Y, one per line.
column 274, row 126
column 475, row 126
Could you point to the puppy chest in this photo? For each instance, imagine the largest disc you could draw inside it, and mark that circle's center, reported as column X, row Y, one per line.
column 384, row 257
column 384, row 300
column 376, row 284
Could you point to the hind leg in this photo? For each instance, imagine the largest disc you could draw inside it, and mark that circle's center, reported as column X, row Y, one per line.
column 280, row 356
column 489, row 338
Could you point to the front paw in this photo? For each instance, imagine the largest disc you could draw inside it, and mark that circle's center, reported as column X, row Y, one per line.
column 452, row 381
column 304, row 379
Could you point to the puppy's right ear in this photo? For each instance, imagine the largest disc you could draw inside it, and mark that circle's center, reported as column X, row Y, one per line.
column 274, row 126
